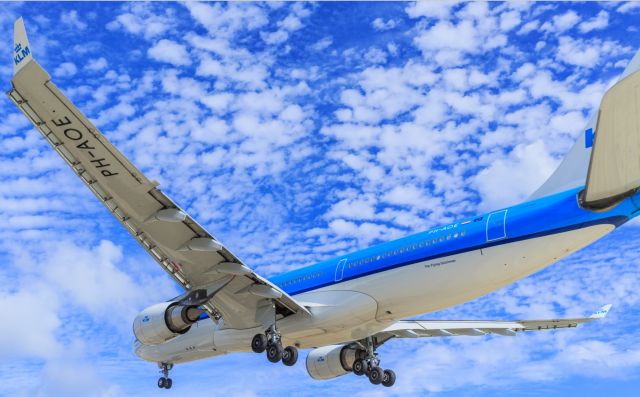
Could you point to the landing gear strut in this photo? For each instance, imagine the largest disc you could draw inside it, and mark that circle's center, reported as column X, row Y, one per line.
column 370, row 365
column 164, row 382
column 271, row 341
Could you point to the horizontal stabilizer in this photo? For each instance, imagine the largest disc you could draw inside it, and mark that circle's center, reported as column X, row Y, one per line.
column 21, row 49
column 614, row 168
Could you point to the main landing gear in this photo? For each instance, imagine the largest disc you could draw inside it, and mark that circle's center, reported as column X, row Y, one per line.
column 164, row 382
column 370, row 365
column 271, row 342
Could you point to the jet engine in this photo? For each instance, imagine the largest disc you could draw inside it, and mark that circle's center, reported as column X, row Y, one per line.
column 164, row 321
column 332, row 361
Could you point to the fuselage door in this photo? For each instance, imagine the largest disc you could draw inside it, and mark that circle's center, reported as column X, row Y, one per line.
column 340, row 269
column 497, row 225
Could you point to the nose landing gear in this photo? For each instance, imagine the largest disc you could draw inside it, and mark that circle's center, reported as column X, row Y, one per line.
column 164, row 382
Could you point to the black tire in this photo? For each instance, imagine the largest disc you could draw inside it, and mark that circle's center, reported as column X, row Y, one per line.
column 274, row 353
column 388, row 378
column 259, row 343
column 290, row 356
column 168, row 383
column 375, row 375
column 359, row 367
column 161, row 383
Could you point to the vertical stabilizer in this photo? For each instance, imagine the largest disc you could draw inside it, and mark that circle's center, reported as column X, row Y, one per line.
column 21, row 49
column 572, row 171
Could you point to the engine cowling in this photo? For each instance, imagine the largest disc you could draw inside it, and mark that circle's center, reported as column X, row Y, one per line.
column 163, row 321
column 329, row 362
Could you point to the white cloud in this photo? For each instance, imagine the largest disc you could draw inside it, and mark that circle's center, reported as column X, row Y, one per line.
column 598, row 22
column 97, row 64
column 430, row 9
column 322, row 44
column 511, row 179
column 381, row 24
column 65, row 69
column 70, row 18
column 629, row 6
column 170, row 52
column 141, row 19
column 561, row 23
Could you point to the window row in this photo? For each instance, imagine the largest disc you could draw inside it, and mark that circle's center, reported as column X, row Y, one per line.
column 300, row 279
column 421, row 244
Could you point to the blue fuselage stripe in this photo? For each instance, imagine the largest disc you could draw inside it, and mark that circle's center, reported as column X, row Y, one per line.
column 546, row 216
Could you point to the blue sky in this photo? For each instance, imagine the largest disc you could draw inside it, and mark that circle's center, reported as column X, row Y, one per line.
column 296, row 132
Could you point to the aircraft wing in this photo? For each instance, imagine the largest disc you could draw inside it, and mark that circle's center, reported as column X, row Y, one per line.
column 210, row 273
column 434, row 328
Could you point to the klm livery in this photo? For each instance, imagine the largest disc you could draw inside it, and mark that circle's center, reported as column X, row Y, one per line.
column 346, row 307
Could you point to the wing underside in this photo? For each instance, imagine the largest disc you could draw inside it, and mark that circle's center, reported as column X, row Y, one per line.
column 184, row 249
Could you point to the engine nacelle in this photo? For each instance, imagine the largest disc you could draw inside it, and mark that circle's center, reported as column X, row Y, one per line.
column 164, row 321
column 329, row 362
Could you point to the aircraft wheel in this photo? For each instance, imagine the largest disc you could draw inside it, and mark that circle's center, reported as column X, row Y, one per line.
column 259, row 343
column 168, row 383
column 388, row 378
column 290, row 356
column 359, row 367
column 375, row 375
column 274, row 353
column 161, row 383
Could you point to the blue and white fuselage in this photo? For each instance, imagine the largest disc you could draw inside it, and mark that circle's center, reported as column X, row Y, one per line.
column 357, row 294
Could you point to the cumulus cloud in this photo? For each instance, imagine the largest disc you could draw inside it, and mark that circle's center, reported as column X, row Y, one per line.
column 511, row 179
column 598, row 22
column 65, row 69
column 381, row 24
column 170, row 52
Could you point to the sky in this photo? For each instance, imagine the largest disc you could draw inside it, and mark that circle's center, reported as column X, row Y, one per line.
column 295, row 132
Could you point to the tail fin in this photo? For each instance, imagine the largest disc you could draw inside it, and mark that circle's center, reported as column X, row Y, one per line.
column 21, row 49
column 579, row 165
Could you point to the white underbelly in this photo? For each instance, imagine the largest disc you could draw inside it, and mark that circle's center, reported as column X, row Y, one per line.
column 444, row 282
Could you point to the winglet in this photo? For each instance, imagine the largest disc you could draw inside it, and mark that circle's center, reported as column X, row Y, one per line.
column 602, row 313
column 21, row 49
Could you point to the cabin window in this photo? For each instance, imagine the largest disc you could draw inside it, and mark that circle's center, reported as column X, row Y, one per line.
column 421, row 244
column 441, row 238
column 435, row 240
column 455, row 235
column 462, row 233
column 426, row 243
column 378, row 258
column 449, row 236
column 415, row 246
column 402, row 250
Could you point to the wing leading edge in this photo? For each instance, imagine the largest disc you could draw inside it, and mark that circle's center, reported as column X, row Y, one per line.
column 184, row 249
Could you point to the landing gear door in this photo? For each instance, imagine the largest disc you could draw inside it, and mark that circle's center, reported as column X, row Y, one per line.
column 497, row 225
column 340, row 269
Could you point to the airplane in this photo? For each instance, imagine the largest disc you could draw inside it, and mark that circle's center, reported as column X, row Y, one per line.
column 346, row 307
